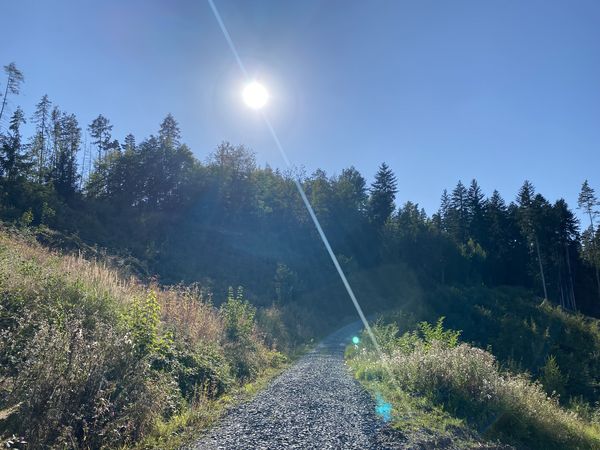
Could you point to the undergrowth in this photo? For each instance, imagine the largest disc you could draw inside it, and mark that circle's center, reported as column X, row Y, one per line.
column 91, row 360
column 437, row 383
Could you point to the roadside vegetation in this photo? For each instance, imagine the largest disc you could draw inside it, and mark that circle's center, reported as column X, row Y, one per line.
column 89, row 359
column 446, row 390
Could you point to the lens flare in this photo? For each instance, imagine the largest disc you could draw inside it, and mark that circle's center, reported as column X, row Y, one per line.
column 383, row 409
column 356, row 340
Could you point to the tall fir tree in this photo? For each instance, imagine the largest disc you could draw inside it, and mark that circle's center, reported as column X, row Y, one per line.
column 65, row 176
column 475, row 211
column 14, row 159
column 169, row 134
column 459, row 214
column 442, row 216
column 588, row 203
column 529, row 217
column 40, row 145
column 382, row 195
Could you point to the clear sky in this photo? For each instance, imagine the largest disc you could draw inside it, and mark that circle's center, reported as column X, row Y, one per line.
column 446, row 90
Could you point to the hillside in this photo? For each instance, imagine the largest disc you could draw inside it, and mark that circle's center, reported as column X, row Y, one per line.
column 90, row 359
column 517, row 371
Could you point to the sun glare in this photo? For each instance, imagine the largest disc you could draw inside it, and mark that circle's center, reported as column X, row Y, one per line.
column 255, row 95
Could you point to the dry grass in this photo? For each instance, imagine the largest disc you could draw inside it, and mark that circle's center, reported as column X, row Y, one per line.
column 90, row 359
column 188, row 310
column 468, row 384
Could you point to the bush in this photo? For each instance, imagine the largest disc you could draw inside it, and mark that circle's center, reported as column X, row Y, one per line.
column 240, row 347
column 83, row 386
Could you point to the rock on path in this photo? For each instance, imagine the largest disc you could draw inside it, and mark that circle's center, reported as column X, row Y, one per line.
column 316, row 404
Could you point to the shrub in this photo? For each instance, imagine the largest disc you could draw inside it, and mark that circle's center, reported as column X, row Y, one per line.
column 238, row 320
column 238, row 316
column 552, row 378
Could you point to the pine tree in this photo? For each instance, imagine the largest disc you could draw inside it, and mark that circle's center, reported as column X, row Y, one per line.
column 475, row 211
column 129, row 143
column 65, row 175
column 566, row 236
column 528, row 222
column 383, row 194
column 14, row 78
column 14, row 161
column 588, row 202
column 169, row 134
column 100, row 130
column 40, row 148
column 496, row 219
column 459, row 214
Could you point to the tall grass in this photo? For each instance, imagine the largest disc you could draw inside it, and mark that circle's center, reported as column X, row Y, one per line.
column 467, row 383
column 89, row 359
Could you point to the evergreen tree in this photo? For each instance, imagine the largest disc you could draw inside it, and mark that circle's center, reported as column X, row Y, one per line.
column 528, row 220
column 497, row 242
column 566, row 230
column 459, row 214
column 64, row 176
column 444, row 211
column 56, row 137
column 475, row 212
column 14, row 78
column 383, row 193
column 14, row 160
column 100, row 130
column 169, row 134
column 129, row 144
column 40, row 146
column 588, row 202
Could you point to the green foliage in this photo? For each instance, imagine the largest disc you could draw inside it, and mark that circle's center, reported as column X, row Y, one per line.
column 202, row 372
column 551, row 377
column 26, row 219
column 144, row 319
column 88, row 360
column 468, row 384
column 438, row 335
column 523, row 333
column 238, row 321
column 238, row 316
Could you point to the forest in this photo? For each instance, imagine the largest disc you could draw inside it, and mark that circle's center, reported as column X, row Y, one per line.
column 226, row 221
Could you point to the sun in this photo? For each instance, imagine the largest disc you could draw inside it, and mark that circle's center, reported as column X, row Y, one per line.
column 255, row 95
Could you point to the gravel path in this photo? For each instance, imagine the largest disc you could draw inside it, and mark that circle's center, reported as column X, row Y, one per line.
column 316, row 404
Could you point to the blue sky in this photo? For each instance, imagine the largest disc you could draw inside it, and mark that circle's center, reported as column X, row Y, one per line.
column 497, row 90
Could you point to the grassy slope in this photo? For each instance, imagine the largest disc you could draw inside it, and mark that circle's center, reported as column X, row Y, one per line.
column 89, row 359
column 441, row 392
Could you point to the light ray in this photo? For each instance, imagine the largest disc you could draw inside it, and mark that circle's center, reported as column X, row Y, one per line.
column 299, row 187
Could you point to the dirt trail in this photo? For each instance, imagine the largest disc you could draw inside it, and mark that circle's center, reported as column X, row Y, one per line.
column 316, row 404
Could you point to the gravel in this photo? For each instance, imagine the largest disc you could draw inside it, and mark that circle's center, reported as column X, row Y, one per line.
column 316, row 404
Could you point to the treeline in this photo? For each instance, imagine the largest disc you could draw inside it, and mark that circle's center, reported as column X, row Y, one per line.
column 227, row 221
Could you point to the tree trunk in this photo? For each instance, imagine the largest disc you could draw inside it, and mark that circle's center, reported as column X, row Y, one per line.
column 537, row 247
column 594, row 251
column 572, row 290
column 4, row 99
